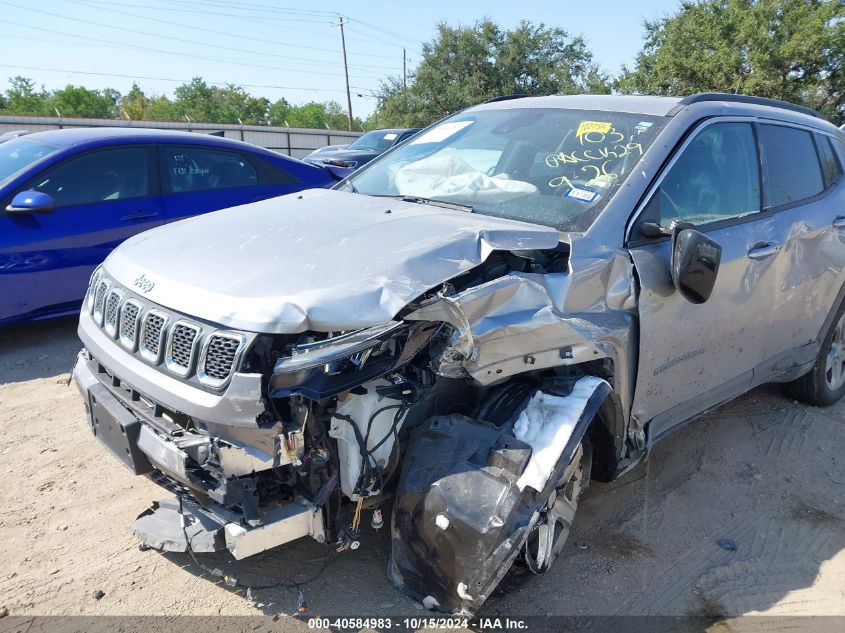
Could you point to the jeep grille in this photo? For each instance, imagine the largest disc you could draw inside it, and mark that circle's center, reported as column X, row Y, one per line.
column 178, row 346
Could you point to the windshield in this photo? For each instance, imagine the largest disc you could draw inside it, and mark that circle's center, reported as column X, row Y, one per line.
column 379, row 140
column 19, row 153
column 546, row 166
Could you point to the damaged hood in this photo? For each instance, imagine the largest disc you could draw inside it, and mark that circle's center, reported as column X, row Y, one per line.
column 320, row 260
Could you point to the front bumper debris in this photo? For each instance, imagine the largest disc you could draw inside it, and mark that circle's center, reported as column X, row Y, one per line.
column 194, row 518
column 171, row 525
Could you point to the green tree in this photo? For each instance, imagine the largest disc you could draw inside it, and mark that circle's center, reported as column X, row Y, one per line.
column 22, row 98
column 466, row 65
column 278, row 112
column 78, row 101
column 135, row 104
column 783, row 49
column 312, row 115
column 233, row 103
column 160, row 108
column 196, row 100
column 337, row 117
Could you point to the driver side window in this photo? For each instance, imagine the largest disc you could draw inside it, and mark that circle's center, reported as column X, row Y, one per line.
column 716, row 178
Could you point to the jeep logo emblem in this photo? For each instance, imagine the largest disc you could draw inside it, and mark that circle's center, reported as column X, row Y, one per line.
column 144, row 284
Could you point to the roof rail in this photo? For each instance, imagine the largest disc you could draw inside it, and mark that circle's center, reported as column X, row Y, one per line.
column 725, row 96
column 505, row 98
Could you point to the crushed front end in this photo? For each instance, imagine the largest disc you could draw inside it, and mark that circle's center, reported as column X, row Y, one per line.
column 267, row 438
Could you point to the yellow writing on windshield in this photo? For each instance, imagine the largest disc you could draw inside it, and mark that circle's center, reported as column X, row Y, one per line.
column 593, row 154
column 601, row 161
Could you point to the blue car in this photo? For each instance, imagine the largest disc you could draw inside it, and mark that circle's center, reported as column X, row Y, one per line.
column 68, row 197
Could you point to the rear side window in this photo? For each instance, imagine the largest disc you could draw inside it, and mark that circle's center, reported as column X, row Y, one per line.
column 831, row 169
column 791, row 170
column 202, row 168
column 108, row 174
column 273, row 173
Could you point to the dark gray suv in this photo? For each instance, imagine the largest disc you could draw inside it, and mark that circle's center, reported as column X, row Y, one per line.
column 523, row 297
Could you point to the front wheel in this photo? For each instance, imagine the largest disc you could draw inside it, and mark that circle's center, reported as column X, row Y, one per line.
column 825, row 383
column 549, row 534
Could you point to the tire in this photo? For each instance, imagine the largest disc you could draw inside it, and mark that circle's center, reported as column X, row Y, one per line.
column 825, row 383
column 559, row 513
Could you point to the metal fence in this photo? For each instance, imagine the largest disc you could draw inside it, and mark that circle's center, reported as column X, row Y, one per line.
column 295, row 142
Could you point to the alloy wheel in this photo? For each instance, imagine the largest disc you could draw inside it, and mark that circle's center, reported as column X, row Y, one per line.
column 834, row 369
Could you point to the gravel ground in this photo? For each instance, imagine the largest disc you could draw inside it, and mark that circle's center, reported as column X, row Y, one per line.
column 763, row 472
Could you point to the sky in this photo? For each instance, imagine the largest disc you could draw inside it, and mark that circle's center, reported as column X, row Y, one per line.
column 276, row 48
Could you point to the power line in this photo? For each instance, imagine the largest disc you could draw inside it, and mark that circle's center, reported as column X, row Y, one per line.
column 249, row 18
column 262, row 19
column 376, row 39
column 315, row 14
column 183, row 40
column 171, row 52
column 252, row 38
column 169, row 79
column 386, row 31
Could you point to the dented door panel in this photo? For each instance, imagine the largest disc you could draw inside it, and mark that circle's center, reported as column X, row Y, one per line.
column 809, row 272
column 690, row 350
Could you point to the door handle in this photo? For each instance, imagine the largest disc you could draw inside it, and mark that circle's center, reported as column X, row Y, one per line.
column 839, row 222
column 137, row 216
column 763, row 250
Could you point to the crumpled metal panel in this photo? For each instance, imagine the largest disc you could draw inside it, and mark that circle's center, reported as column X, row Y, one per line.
column 320, row 260
column 527, row 321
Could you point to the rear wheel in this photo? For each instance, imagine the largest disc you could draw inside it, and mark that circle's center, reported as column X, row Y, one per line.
column 549, row 534
column 825, row 383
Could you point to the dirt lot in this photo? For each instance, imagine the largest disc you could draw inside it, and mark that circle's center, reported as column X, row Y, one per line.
column 764, row 472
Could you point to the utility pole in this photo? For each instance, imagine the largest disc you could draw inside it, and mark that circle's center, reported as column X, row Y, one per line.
column 404, row 70
column 346, row 72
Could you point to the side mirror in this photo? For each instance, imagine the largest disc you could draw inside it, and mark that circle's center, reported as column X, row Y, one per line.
column 31, row 202
column 695, row 263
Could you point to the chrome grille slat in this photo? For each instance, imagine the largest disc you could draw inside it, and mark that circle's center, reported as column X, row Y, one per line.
column 219, row 358
column 92, row 288
column 153, row 331
column 221, row 355
column 111, row 312
column 181, row 347
column 129, row 321
column 100, row 301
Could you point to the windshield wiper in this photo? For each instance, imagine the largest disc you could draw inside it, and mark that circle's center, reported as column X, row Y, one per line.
column 431, row 201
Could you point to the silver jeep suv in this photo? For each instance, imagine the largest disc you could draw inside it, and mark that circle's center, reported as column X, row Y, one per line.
column 523, row 297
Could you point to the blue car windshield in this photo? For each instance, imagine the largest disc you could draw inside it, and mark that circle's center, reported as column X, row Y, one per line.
column 552, row 166
column 19, row 154
column 376, row 141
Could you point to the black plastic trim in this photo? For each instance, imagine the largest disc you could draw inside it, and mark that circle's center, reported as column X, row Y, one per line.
column 702, row 97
